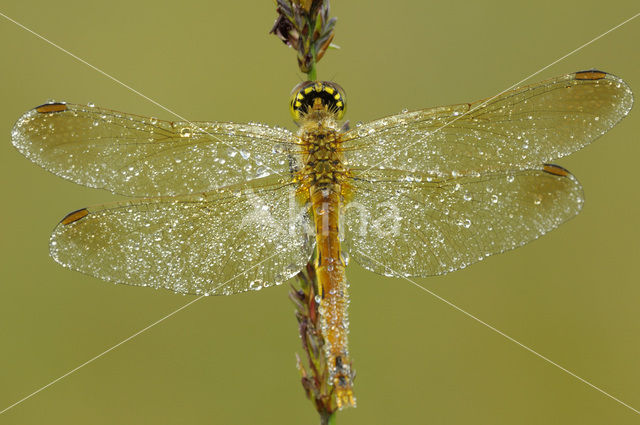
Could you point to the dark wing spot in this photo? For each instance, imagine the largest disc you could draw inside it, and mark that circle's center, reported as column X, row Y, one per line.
column 556, row 170
column 592, row 74
column 74, row 216
column 49, row 108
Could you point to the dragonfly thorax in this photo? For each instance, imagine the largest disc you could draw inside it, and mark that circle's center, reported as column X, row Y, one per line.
column 320, row 140
column 312, row 97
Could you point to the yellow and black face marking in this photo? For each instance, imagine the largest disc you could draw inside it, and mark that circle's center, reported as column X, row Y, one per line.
column 317, row 95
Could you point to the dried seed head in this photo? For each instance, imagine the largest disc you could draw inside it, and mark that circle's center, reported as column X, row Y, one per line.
column 305, row 26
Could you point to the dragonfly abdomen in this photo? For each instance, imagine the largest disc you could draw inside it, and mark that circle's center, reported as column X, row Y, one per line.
column 332, row 289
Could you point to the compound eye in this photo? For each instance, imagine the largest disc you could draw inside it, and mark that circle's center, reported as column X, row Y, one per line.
column 296, row 108
column 338, row 103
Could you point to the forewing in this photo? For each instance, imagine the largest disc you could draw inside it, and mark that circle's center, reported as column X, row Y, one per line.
column 518, row 129
column 141, row 156
column 398, row 226
column 218, row 243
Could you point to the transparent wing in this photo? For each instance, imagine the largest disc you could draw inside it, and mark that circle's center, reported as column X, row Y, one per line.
column 222, row 242
column 142, row 156
column 398, row 226
column 518, row 129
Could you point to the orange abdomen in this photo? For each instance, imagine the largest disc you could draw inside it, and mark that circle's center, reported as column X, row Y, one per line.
column 334, row 299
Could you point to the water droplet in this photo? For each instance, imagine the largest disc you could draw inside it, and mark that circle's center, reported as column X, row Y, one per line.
column 494, row 199
column 91, row 105
column 185, row 132
column 466, row 223
column 279, row 148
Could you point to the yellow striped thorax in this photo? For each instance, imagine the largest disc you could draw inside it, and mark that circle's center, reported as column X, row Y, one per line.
column 317, row 95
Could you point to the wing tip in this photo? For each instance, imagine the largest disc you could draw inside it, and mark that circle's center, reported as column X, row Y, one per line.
column 597, row 75
column 622, row 95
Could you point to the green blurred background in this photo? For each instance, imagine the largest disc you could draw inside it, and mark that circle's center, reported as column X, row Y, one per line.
column 572, row 295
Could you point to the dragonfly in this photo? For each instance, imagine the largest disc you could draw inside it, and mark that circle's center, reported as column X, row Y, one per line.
column 223, row 208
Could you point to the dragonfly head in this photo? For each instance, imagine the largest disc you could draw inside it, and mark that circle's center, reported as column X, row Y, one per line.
column 312, row 96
